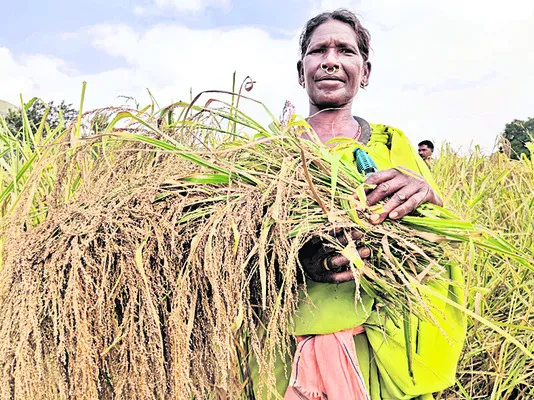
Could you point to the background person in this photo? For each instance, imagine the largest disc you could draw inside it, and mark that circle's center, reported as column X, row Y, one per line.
column 425, row 150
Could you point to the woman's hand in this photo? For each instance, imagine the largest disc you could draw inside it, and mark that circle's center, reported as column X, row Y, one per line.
column 406, row 189
column 321, row 263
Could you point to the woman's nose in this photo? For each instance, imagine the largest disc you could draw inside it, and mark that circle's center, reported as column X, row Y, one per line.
column 331, row 57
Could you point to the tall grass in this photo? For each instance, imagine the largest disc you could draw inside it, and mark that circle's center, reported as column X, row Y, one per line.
column 496, row 192
column 116, row 225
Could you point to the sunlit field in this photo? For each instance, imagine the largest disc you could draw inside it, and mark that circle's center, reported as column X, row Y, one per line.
column 152, row 253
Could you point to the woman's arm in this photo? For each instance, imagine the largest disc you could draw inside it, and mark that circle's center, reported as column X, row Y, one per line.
column 406, row 190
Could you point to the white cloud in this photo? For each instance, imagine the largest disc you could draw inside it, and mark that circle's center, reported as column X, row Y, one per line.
column 116, row 40
column 448, row 70
column 51, row 78
column 167, row 59
column 170, row 59
column 194, row 6
column 69, row 35
column 453, row 72
column 138, row 10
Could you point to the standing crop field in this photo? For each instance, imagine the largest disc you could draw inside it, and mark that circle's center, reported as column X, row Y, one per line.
column 153, row 255
column 498, row 193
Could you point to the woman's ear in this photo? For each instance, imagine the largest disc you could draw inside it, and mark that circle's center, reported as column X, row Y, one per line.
column 300, row 72
column 367, row 71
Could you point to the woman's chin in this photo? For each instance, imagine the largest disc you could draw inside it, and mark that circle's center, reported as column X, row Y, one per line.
column 324, row 103
column 330, row 99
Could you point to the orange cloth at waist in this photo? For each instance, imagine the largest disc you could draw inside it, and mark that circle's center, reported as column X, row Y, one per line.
column 326, row 367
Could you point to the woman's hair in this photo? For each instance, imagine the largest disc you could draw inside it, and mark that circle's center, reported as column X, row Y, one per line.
column 363, row 36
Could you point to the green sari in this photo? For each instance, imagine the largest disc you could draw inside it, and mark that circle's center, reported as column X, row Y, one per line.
column 381, row 350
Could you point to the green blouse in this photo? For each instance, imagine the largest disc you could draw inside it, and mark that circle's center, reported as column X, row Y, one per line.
column 381, row 351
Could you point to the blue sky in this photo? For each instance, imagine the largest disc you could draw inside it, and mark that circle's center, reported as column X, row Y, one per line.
column 447, row 70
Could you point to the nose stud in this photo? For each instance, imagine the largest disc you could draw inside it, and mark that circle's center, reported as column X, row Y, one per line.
column 330, row 70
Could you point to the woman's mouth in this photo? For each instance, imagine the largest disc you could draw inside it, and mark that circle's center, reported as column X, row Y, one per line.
column 329, row 79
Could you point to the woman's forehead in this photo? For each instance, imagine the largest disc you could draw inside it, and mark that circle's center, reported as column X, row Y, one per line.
column 334, row 31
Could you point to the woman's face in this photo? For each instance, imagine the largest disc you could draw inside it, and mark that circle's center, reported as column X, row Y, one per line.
column 333, row 43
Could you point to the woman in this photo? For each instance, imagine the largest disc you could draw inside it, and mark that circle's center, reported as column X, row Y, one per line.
column 333, row 66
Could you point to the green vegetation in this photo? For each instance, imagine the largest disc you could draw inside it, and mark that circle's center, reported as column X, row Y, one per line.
column 35, row 111
column 518, row 134
column 126, row 255
column 496, row 192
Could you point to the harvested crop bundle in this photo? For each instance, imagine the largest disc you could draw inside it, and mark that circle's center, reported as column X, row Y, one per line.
column 154, row 260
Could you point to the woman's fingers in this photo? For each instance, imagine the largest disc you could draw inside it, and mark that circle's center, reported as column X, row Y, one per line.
column 386, row 185
column 321, row 262
column 339, row 277
column 382, row 176
column 338, row 262
column 402, row 199
column 356, row 235
column 342, row 236
column 364, row 252
column 411, row 204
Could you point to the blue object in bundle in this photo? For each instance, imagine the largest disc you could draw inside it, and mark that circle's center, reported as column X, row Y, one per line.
column 364, row 163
